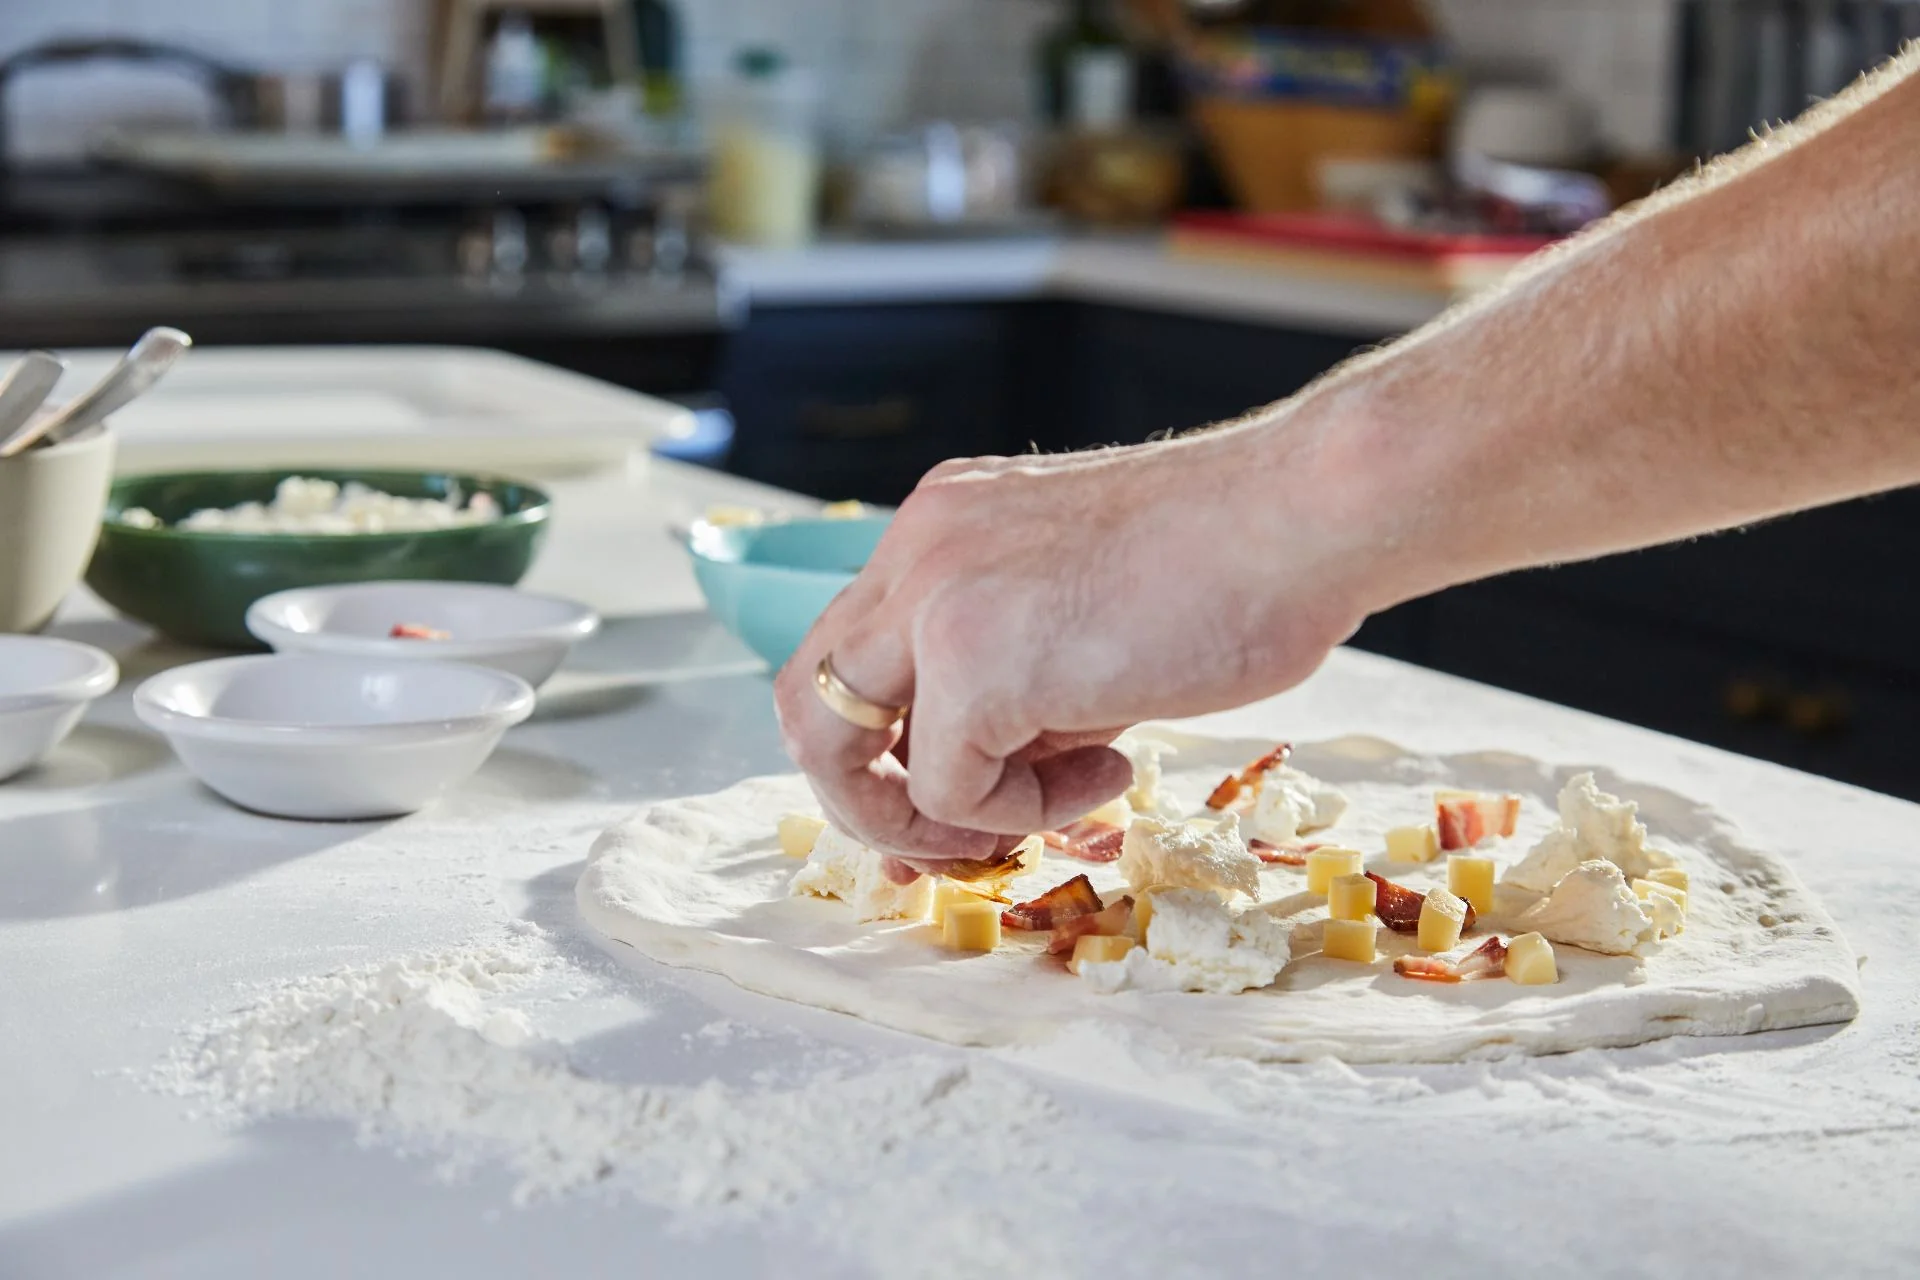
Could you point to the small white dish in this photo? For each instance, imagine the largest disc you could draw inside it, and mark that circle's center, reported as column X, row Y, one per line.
column 314, row 736
column 45, row 686
column 520, row 632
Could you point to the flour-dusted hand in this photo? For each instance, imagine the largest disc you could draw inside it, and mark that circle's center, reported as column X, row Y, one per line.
column 1029, row 608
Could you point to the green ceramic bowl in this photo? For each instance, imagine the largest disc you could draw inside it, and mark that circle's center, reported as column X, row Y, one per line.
column 196, row 586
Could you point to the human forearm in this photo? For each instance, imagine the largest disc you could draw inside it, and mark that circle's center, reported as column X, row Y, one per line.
column 1717, row 359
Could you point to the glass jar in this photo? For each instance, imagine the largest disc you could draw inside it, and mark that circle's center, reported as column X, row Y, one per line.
column 766, row 153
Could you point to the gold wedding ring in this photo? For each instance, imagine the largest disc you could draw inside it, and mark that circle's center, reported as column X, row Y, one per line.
column 850, row 706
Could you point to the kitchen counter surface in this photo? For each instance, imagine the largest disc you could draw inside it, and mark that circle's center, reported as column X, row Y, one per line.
column 133, row 905
column 1121, row 271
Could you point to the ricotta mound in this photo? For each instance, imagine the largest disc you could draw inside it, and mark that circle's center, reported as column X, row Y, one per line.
column 1594, row 907
column 1292, row 803
column 1194, row 943
column 841, row 867
column 1593, row 825
column 1145, row 795
column 1187, row 855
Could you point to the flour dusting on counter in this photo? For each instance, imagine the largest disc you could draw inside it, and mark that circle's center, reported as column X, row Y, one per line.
column 430, row 1052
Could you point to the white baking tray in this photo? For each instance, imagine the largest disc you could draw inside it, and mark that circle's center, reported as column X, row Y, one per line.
column 453, row 408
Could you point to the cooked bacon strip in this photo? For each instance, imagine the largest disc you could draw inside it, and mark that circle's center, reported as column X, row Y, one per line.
column 1399, row 907
column 1248, row 779
column 1109, row 921
column 1488, row 960
column 1287, row 855
column 1057, row 905
column 1465, row 818
column 971, row 869
column 1087, row 839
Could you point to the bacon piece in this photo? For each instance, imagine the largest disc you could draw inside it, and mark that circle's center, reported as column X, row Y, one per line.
column 1465, row 818
column 1057, row 905
column 1109, row 921
column 1087, row 839
column 1248, row 779
column 1399, row 907
column 1488, row 960
column 417, row 631
column 1287, row 855
column 972, row 869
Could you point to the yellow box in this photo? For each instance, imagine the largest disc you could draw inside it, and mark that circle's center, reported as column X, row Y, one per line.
column 1673, row 877
column 1350, row 940
column 972, row 926
column 1098, row 949
column 1351, row 897
column 1530, row 961
column 1413, row 844
column 1442, row 917
column 798, row 831
column 1324, row 864
column 1471, row 876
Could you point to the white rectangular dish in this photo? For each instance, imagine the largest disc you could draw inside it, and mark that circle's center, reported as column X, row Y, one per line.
column 462, row 408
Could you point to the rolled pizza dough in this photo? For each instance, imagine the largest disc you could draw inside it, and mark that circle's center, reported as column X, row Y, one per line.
column 701, row 883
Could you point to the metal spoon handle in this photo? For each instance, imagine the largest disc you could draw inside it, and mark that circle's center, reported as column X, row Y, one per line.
column 24, row 388
column 143, row 365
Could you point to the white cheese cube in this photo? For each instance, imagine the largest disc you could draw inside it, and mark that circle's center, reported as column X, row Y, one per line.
column 1413, row 844
column 1351, row 897
column 1442, row 918
column 1350, row 940
column 798, row 831
column 1530, row 961
column 949, row 894
column 1471, row 876
column 1324, row 864
column 971, row 926
column 1098, row 949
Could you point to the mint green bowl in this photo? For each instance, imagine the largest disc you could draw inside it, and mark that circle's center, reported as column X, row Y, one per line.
column 767, row 583
column 196, row 586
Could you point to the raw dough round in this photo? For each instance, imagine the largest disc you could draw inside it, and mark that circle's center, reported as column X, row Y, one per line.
column 701, row 883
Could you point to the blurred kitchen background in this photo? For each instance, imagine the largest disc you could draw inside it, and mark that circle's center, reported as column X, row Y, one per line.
column 865, row 235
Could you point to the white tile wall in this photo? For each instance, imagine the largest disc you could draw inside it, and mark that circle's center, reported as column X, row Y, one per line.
column 881, row 62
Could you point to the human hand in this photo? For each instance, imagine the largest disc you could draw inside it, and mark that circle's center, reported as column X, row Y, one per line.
column 1026, row 607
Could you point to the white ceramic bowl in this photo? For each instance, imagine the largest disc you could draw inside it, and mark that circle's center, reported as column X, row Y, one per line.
column 312, row 736
column 516, row 631
column 50, row 504
column 45, row 686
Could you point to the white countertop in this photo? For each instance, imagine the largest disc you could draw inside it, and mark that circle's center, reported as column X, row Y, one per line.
column 134, row 904
column 1122, row 271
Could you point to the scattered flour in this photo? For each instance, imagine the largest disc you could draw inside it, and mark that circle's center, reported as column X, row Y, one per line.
column 428, row 1053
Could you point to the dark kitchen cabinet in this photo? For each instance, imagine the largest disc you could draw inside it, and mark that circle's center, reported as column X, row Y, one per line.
column 857, row 402
column 1793, row 641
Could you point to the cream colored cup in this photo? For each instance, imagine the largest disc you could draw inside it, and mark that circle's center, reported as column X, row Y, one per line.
column 51, row 501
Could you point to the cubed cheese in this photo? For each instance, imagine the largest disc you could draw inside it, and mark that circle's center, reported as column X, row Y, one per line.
column 1530, row 961
column 1095, row 949
column 1351, row 897
column 972, row 926
column 1324, row 864
column 1671, row 876
column 1413, row 844
column 1142, row 916
column 1442, row 917
column 1644, row 889
column 949, row 894
column 1471, row 876
column 798, row 831
column 1349, row 940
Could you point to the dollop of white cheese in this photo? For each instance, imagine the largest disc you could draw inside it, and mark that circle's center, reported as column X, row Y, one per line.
column 1194, row 943
column 1593, row 907
column 1292, row 803
column 841, row 867
column 1145, row 795
column 1189, row 855
column 1593, row 825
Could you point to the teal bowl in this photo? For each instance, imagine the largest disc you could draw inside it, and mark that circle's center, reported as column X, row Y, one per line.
column 195, row 586
column 767, row 583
